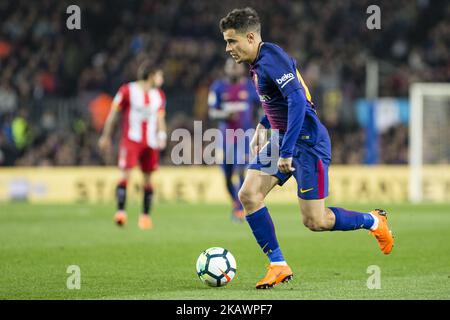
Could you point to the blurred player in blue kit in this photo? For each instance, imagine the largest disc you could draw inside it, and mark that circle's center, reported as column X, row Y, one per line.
column 302, row 145
column 232, row 102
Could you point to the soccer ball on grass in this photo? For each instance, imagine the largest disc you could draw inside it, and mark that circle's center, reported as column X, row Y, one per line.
column 216, row 267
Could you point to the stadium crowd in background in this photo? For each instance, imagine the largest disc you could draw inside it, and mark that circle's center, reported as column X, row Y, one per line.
column 56, row 84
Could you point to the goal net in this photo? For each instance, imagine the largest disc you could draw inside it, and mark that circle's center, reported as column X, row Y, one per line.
column 429, row 134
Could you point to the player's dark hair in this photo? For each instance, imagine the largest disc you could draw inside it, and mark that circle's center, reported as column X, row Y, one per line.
column 242, row 20
column 145, row 69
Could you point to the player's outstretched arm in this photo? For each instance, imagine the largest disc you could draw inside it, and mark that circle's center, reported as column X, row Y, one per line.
column 104, row 142
column 162, row 130
column 259, row 139
column 296, row 115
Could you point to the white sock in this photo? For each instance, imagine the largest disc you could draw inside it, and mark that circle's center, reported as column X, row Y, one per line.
column 375, row 222
column 278, row 263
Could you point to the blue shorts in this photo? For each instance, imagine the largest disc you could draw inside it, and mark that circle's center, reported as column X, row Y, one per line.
column 311, row 159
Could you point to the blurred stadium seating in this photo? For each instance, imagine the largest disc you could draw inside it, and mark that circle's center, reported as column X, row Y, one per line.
column 55, row 84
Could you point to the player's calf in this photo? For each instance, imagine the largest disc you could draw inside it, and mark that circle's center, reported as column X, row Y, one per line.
column 346, row 220
column 120, row 218
column 121, row 195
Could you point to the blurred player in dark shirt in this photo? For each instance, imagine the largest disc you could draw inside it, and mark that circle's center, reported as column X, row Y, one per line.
column 231, row 101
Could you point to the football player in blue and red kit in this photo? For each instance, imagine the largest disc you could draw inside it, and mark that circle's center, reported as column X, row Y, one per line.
column 232, row 102
column 302, row 145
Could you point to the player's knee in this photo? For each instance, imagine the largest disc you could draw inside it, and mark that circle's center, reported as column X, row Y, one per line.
column 245, row 196
column 314, row 224
column 249, row 199
column 147, row 179
column 125, row 175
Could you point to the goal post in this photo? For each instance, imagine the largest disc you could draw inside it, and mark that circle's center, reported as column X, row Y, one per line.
column 429, row 132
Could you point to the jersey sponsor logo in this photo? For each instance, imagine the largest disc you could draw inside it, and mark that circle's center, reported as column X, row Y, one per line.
column 305, row 190
column 145, row 112
column 235, row 106
column 287, row 77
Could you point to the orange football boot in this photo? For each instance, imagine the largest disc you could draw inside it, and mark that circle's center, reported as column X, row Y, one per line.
column 237, row 215
column 275, row 275
column 145, row 222
column 120, row 218
column 382, row 232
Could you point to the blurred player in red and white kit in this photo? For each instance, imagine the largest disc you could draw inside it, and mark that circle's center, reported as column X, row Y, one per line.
column 141, row 105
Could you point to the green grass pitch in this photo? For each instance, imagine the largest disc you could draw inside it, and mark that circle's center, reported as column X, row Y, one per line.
column 39, row 242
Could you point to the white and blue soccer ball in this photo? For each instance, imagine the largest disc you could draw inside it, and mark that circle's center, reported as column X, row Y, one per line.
column 216, row 267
